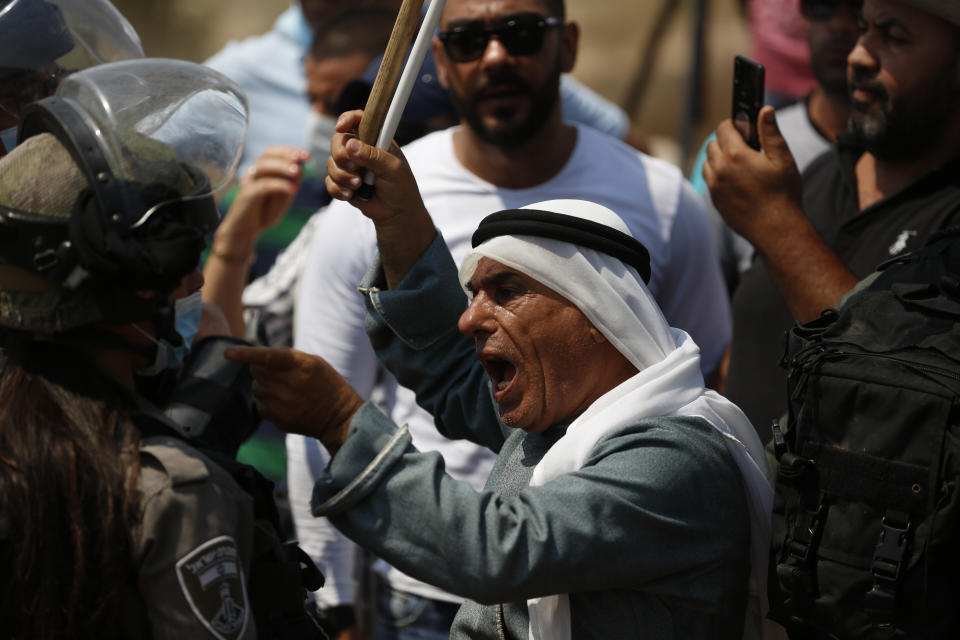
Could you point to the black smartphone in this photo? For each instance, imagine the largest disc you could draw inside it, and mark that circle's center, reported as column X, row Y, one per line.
column 747, row 98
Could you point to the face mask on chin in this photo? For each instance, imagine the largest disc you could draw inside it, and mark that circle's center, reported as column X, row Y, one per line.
column 186, row 322
column 320, row 129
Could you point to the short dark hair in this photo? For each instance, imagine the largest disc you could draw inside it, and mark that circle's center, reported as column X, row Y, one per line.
column 364, row 30
column 556, row 8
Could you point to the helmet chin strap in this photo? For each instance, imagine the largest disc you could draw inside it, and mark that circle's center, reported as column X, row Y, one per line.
column 99, row 338
column 161, row 359
column 45, row 355
column 93, row 337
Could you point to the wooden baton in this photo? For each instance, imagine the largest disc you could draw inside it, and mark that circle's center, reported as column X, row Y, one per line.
column 386, row 81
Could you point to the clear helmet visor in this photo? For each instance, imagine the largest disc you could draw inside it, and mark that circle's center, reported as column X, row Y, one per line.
column 100, row 34
column 46, row 40
column 172, row 128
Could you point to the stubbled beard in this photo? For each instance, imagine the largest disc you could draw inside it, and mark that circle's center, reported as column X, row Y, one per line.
column 897, row 129
column 510, row 134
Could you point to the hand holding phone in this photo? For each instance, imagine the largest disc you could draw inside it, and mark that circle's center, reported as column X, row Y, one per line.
column 747, row 98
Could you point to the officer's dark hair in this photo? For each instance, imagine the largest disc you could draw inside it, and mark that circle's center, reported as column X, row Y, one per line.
column 68, row 472
column 364, row 30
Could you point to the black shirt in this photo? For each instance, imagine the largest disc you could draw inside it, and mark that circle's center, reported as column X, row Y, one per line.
column 861, row 239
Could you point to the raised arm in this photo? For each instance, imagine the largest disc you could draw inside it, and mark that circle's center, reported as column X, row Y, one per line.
column 404, row 228
column 546, row 539
column 412, row 294
column 413, row 329
column 758, row 194
column 264, row 196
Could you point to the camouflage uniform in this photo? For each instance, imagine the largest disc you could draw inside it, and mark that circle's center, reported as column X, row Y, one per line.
column 104, row 214
column 195, row 544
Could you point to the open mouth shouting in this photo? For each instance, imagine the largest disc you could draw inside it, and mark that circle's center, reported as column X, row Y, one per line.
column 502, row 374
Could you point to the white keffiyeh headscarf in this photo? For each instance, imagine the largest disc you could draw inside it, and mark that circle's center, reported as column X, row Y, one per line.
column 669, row 383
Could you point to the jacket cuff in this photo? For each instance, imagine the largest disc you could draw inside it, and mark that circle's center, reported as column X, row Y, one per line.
column 374, row 443
column 401, row 310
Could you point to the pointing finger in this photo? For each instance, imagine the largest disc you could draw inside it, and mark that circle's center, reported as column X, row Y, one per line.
column 274, row 358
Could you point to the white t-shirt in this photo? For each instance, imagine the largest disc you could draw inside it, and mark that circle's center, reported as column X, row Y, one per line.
column 805, row 141
column 654, row 200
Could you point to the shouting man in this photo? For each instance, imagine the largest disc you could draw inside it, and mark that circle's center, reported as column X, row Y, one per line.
column 626, row 499
column 502, row 63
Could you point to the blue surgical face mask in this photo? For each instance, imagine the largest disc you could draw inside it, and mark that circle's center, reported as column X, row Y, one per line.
column 187, row 312
column 186, row 322
column 9, row 139
column 320, row 129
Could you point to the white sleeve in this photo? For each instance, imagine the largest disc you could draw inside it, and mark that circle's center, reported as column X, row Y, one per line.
column 693, row 294
column 583, row 105
column 230, row 62
column 333, row 553
column 268, row 301
column 329, row 321
column 329, row 316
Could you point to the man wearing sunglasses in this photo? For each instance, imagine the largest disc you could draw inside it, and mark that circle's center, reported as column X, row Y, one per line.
column 269, row 68
column 882, row 190
column 501, row 62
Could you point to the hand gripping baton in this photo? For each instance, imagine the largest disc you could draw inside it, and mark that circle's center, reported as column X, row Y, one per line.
column 380, row 122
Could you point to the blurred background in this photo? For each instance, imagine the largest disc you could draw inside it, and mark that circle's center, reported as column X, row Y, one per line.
column 637, row 53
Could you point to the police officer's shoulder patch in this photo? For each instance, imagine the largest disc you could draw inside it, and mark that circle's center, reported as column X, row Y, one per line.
column 212, row 581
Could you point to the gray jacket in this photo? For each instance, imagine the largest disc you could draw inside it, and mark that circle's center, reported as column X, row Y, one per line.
column 649, row 538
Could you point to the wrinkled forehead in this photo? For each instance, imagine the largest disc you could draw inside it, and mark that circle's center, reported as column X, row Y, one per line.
column 491, row 275
column 907, row 11
column 932, row 25
column 483, row 271
column 466, row 10
column 886, row 6
column 489, row 272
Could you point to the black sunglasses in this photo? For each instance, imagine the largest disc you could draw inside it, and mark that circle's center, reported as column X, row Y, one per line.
column 521, row 36
column 824, row 9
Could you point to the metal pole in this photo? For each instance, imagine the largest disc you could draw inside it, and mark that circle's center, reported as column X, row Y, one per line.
column 694, row 95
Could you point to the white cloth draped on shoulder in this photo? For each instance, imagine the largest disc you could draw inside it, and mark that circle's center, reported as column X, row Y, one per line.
column 614, row 298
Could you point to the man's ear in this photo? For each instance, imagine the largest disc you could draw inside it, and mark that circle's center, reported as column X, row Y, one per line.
column 570, row 41
column 440, row 60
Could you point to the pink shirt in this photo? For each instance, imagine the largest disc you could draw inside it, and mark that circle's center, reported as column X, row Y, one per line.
column 780, row 44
